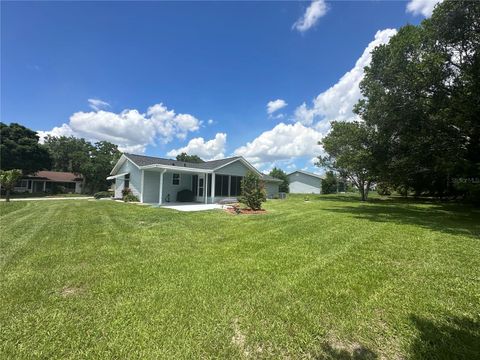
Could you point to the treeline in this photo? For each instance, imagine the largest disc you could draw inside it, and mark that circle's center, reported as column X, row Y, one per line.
column 20, row 149
column 420, row 116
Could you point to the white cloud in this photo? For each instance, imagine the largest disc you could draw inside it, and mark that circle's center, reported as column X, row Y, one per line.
column 283, row 142
column 131, row 130
column 312, row 14
column 336, row 103
column 210, row 122
column 97, row 104
column 422, row 7
column 275, row 105
column 207, row 150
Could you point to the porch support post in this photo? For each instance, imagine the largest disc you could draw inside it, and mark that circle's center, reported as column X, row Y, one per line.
column 213, row 188
column 206, row 188
column 142, row 187
column 44, row 186
column 160, row 191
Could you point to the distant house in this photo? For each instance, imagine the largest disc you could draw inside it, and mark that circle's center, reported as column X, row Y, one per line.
column 303, row 182
column 50, row 181
column 158, row 180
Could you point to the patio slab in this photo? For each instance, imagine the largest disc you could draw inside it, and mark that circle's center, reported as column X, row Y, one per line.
column 191, row 206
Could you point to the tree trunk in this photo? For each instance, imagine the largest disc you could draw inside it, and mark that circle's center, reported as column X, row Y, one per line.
column 361, row 187
column 7, row 195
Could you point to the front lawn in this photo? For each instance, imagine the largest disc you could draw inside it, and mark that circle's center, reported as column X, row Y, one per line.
column 327, row 278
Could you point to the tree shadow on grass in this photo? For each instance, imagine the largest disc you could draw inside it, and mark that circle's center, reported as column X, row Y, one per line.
column 454, row 338
column 452, row 219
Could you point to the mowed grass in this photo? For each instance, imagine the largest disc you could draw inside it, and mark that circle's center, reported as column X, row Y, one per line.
column 328, row 278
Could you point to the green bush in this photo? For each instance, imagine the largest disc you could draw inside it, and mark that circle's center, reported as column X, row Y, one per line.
column 384, row 189
column 128, row 196
column 103, row 194
column 253, row 191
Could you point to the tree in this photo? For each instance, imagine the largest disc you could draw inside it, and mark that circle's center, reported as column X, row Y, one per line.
column 20, row 149
column 329, row 183
column 280, row 174
column 92, row 161
column 8, row 179
column 68, row 153
column 253, row 191
column 189, row 158
column 351, row 150
column 421, row 94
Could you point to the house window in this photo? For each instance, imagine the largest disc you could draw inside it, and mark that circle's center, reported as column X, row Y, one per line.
column 195, row 185
column 22, row 183
column 126, row 182
column 221, row 185
column 200, row 186
column 176, row 179
column 235, row 185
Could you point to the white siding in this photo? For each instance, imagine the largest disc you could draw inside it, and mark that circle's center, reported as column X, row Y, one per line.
column 135, row 179
column 304, row 184
column 272, row 189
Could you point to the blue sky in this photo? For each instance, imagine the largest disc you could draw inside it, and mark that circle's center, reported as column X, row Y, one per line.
column 162, row 77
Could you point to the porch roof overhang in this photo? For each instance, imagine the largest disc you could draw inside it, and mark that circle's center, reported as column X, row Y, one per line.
column 176, row 168
column 116, row 176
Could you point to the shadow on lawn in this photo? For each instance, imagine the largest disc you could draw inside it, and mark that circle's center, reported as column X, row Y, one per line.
column 449, row 218
column 456, row 338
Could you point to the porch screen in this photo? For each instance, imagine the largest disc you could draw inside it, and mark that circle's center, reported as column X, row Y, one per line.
column 235, row 185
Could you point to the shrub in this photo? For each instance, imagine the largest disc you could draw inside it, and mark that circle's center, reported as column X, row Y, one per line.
column 253, row 191
column 384, row 189
column 128, row 196
column 102, row 194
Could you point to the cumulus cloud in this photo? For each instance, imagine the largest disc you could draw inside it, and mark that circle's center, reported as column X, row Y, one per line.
column 130, row 129
column 97, row 104
column 207, row 150
column 283, row 142
column 275, row 105
column 312, row 14
column 336, row 103
column 422, row 7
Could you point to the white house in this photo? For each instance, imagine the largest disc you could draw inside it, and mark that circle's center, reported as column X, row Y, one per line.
column 157, row 180
column 303, row 182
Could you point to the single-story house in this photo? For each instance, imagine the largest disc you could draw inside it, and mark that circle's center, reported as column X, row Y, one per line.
column 50, row 181
column 304, row 182
column 157, row 180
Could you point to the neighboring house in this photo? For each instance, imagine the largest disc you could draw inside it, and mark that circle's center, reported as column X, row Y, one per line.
column 157, row 180
column 50, row 181
column 303, row 182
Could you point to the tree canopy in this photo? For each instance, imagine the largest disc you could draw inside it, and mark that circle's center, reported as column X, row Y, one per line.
column 189, row 158
column 20, row 149
column 282, row 175
column 422, row 95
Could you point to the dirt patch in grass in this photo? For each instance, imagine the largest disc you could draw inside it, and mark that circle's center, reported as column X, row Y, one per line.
column 70, row 291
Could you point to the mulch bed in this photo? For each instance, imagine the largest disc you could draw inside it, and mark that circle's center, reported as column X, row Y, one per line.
column 239, row 211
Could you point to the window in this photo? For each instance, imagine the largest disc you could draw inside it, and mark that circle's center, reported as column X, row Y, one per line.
column 176, row 179
column 22, row 183
column 195, row 185
column 221, row 185
column 235, row 185
column 126, row 182
column 200, row 186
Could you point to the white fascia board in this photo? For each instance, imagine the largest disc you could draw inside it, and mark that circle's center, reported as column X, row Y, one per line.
column 176, row 168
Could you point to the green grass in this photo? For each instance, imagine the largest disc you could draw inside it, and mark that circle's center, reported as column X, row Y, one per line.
column 328, row 278
column 41, row 194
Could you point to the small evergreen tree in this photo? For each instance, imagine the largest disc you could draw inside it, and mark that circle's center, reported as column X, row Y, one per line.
column 8, row 179
column 253, row 191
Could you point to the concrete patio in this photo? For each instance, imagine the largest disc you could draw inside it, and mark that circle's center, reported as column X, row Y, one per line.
column 193, row 206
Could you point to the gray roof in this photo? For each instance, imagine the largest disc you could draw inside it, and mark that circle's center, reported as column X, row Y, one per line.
column 142, row 160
